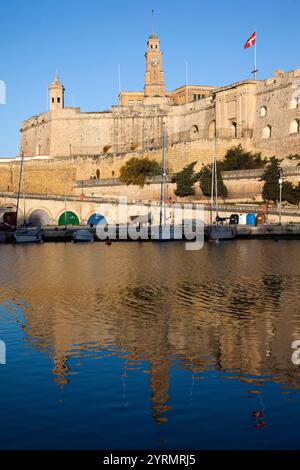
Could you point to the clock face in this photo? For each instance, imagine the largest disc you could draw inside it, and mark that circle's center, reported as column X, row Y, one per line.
column 154, row 61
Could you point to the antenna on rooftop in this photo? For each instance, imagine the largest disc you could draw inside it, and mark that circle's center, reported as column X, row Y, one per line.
column 152, row 21
column 119, row 77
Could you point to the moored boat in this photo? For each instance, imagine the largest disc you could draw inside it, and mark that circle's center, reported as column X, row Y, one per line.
column 221, row 232
column 27, row 235
column 83, row 235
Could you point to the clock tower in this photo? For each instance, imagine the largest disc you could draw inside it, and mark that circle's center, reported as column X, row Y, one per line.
column 154, row 78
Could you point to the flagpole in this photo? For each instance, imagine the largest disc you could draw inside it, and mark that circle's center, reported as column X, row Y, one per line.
column 255, row 64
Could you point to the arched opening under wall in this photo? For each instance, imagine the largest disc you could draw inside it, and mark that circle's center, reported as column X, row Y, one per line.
column 68, row 219
column 233, row 130
column 212, row 130
column 96, row 219
column 39, row 218
column 8, row 214
column 295, row 126
column 267, row 132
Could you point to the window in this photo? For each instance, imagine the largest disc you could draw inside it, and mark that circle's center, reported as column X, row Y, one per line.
column 233, row 130
column 267, row 132
column 112, row 173
column 294, row 103
column 295, row 127
column 198, row 96
column 212, row 130
column 52, row 100
column 130, row 103
column 263, row 111
column 140, row 102
column 58, row 100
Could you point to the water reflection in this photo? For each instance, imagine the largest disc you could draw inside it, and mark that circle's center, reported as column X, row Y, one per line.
column 233, row 308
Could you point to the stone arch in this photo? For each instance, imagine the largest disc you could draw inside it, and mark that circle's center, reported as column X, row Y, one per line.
column 39, row 217
column 194, row 131
column 267, row 132
column 8, row 214
column 95, row 218
column 71, row 218
column 212, row 129
column 106, row 148
column 263, row 111
column 295, row 126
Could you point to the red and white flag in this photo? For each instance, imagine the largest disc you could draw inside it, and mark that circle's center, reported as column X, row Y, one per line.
column 251, row 41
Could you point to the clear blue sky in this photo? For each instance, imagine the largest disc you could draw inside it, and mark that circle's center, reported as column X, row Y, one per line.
column 85, row 40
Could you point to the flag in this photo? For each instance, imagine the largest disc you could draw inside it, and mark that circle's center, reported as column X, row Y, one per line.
column 251, row 41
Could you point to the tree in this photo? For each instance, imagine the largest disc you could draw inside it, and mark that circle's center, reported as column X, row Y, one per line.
column 290, row 193
column 271, row 176
column 236, row 158
column 185, row 180
column 205, row 176
column 138, row 170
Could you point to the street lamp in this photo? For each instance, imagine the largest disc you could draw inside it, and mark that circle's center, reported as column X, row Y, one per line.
column 280, row 181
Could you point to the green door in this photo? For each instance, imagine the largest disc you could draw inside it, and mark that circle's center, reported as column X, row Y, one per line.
column 72, row 219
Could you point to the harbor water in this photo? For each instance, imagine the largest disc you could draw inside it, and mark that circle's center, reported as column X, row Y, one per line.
column 134, row 346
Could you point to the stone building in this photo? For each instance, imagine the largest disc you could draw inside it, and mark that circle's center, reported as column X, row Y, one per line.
column 262, row 115
column 264, row 111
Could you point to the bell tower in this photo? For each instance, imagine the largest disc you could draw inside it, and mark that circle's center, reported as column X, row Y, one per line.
column 154, row 77
column 56, row 94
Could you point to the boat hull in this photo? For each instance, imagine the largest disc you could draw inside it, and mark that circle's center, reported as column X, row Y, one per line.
column 27, row 235
column 221, row 232
column 83, row 236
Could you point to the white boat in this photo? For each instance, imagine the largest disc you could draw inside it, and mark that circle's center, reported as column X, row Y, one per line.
column 27, row 235
column 83, row 235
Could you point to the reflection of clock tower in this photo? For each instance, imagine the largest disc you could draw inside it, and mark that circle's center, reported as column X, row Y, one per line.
column 154, row 77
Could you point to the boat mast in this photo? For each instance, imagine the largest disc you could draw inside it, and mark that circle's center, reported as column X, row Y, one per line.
column 65, row 200
column 212, row 187
column 19, row 187
column 24, row 204
column 162, row 211
column 216, row 180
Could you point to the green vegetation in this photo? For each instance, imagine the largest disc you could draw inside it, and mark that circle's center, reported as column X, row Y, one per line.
column 138, row 170
column 205, row 182
column 270, row 192
column 236, row 158
column 185, row 180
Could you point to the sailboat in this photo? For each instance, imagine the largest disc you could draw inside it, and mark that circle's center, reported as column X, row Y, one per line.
column 217, row 232
column 166, row 230
column 25, row 233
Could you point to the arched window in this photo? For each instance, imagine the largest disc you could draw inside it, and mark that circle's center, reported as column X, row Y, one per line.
column 263, row 111
column 212, row 130
column 194, row 131
column 106, row 148
column 233, row 130
column 267, row 132
column 295, row 126
column 294, row 103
